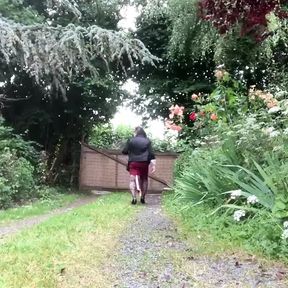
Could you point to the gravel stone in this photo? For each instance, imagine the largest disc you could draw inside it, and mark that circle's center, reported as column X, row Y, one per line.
column 146, row 259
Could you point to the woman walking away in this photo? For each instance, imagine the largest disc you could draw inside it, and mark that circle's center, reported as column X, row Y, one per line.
column 140, row 156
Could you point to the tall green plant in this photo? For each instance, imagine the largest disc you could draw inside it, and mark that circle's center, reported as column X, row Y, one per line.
column 252, row 184
column 268, row 184
column 202, row 179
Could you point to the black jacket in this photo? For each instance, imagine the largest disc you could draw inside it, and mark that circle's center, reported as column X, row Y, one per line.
column 139, row 149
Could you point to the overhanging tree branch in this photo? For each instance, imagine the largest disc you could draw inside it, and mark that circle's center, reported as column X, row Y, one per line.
column 68, row 5
column 61, row 52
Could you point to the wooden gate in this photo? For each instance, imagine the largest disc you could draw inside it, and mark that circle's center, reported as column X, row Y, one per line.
column 106, row 170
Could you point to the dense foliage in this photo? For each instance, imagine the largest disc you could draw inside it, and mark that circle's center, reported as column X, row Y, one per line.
column 106, row 137
column 238, row 167
column 58, row 52
column 18, row 168
column 62, row 64
column 191, row 48
column 249, row 14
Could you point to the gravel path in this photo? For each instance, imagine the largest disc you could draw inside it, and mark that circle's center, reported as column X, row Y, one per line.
column 19, row 225
column 152, row 255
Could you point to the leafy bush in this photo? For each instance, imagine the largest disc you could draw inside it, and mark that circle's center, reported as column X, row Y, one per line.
column 16, row 143
column 168, row 144
column 182, row 163
column 209, row 174
column 16, row 179
column 18, row 168
column 267, row 188
column 104, row 136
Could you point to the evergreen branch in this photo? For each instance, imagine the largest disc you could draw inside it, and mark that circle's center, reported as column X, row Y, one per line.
column 62, row 52
column 68, row 5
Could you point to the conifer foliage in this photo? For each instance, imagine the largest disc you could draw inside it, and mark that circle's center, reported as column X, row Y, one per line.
column 60, row 52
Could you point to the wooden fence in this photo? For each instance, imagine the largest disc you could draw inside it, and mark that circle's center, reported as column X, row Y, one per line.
column 106, row 170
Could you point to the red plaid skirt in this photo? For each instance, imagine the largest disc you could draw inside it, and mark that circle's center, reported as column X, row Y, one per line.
column 139, row 168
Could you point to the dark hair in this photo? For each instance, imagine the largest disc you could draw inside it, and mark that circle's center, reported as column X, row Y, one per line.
column 139, row 131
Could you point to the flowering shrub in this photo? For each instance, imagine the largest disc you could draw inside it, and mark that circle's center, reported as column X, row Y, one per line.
column 228, row 104
column 265, row 97
column 176, row 118
column 241, row 137
column 205, row 112
column 189, row 122
column 245, row 156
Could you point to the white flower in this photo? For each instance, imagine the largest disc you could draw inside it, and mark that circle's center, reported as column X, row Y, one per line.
column 285, row 234
column 238, row 215
column 274, row 109
column 235, row 194
column 274, row 134
column 51, row 12
column 285, row 224
column 251, row 120
column 252, row 199
column 269, row 130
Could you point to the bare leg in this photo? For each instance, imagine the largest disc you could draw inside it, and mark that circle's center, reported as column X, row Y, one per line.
column 138, row 185
column 132, row 186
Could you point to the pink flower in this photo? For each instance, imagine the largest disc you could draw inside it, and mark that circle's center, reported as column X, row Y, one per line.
column 214, row 117
column 202, row 113
column 176, row 127
column 179, row 110
column 176, row 110
column 170, row 125
column 194, row 97
column 272, row 103
column 193, row 116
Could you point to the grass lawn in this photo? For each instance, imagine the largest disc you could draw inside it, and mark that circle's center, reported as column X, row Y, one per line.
column 220, row 234
column 70, row 250
column 218, row 237
column 37, row 208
